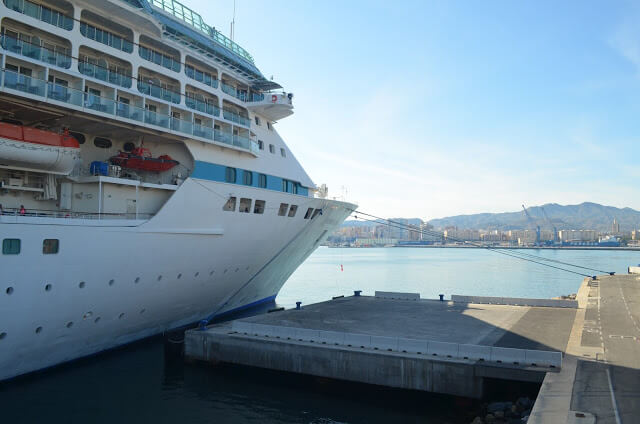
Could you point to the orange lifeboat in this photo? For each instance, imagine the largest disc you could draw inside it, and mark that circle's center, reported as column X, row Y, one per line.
column 141, row 159
column 37, row 150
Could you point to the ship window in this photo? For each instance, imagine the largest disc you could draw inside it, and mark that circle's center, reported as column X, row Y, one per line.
column 272, row 148
column 247, row 178
column 78, row 136
column 308, row 214
column 293, row 210
column 259, row 207
column 50, row 246
column 230, row 205
column 245, row 205
column 316, row 213
column 262, row 181
column 11, row 246
column 261, row 144
column 283, row 209
column 283, row 153
column 269, row 125
column 257, row 118
column 230, row 175
column 103, row 143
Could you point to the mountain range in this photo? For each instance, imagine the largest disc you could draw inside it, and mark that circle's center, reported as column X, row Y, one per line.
column 587, row 215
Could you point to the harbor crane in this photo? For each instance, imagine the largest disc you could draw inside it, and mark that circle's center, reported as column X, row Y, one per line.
column 555, row 229
column 533, row 223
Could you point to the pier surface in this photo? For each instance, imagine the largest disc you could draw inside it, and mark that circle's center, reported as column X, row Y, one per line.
column 444, row 347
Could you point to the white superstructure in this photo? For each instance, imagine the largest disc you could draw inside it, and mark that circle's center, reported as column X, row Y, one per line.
column 96, row 255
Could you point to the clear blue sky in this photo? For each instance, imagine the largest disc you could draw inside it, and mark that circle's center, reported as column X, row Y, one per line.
column 435, row 108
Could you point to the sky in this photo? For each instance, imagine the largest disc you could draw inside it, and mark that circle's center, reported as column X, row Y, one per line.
column 436, row 108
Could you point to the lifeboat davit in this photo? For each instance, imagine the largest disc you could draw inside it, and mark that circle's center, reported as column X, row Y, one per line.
column 31, row 149
column 141, row 159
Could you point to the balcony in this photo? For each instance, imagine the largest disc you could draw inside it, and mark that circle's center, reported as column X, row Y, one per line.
column 104, row 74
column 235, row 118
column 41, row 13
column 201, row 106
column 92, row 103
column 105, row 37
column 36, row 52
column 158, row 92
column 203, row 77
column 159, row 58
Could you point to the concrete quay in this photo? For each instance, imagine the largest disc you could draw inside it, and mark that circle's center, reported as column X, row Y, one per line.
column 398, row 341
column 600, row 378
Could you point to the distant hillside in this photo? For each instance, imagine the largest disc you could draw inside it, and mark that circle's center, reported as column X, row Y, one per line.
column 583, row 216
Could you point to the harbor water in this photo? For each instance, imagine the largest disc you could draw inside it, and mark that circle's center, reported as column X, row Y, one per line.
column 136, row 384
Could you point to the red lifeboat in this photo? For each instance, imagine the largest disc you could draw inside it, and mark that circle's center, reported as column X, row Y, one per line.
column 141, row 159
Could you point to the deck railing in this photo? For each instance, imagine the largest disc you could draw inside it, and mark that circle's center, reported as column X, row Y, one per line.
column 35, row 51
column 72, row 96
column 42, row 13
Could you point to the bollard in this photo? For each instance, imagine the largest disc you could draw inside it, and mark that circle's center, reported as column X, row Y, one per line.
column 441, row 297
column 298, row 305
column 357, row 292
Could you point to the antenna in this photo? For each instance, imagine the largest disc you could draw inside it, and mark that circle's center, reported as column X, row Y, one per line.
column 233, row 20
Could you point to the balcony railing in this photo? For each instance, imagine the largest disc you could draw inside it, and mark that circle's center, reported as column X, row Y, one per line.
column 42, row 13
column 255, row 97
column 158, row 92
column 201, row 106
column 159, row 58
column 106, row 37
column 26, row 84
column 234, row 117
column 36, row 52
column 105, row 74
column 203, row 77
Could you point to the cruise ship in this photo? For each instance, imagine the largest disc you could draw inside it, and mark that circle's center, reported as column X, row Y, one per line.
column 143, row 183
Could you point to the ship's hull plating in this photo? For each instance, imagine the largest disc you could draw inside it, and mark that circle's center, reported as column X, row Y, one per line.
column 113, row 282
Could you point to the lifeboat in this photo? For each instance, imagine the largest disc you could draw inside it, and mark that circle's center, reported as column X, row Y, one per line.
column 141, row 159
column 31, row 149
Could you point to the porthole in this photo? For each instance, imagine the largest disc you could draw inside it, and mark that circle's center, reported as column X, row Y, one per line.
column 159, row 277
column 47, row 287
column 38, row 330
column 121, row 316
column 237, row 269
column 196, row 274
column 225, row 271
column 103, row 143
column 82, row 284
column 111, row 282
column 211, row 273
column 9, row 290
column 137, row 280
column 247, row 268
column 179, row 276
column 3, row 335
column 142, row 311
column 97, row 320
column 87, row 315
column 70, row 324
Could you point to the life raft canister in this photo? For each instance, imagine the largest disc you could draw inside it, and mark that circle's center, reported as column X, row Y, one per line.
column 274, row 98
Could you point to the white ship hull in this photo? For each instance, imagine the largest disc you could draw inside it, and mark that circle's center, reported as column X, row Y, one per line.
column 140, row 280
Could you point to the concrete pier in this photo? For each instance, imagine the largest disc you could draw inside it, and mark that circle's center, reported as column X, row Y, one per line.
column 397, row 341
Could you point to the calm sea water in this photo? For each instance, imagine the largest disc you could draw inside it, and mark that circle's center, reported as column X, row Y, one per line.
column 135, row 384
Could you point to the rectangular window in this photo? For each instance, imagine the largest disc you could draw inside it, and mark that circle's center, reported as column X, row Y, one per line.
column 283, row 209
column 230, row 205
column 257, row 120
column 284, row 185
column 245, row 205
column 50, row 246
column 316, row 213
column 261, row 144
column 272, row 148
column 230, row 175
column 283, row 153
column 268, row 125
column 262, row 181
column 11, row 246
column 293, row 210
column 247, row 178
column 259, row 207
column 308, row 214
